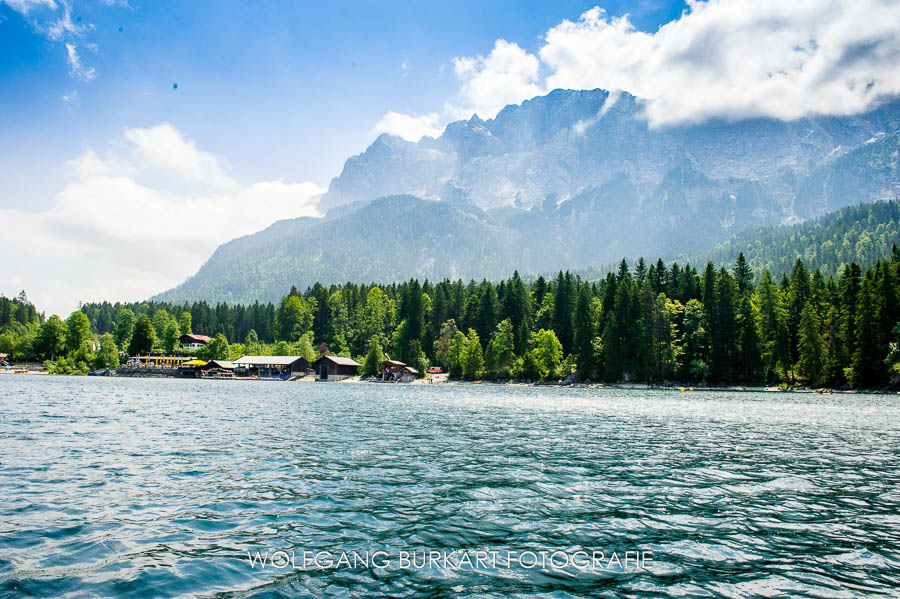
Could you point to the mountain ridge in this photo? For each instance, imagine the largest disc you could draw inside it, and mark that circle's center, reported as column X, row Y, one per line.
column 570, row 180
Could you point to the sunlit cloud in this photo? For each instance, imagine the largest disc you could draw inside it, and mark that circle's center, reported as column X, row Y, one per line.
column 409, row 127
column 721, row 58
column 136, row 220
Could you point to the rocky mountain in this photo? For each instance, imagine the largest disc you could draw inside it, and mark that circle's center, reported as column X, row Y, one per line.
column 574, row 179
column 559, row 146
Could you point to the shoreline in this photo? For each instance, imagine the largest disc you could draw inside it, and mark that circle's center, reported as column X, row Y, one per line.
column 580, row 385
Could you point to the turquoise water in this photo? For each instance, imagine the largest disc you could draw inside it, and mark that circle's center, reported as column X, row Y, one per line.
column 140, row 488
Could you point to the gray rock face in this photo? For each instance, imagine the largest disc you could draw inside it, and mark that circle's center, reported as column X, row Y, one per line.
column 561, row 145
column 574, row 179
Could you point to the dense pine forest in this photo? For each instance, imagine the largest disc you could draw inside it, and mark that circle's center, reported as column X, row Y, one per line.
column 646, row 322
column 861, row 234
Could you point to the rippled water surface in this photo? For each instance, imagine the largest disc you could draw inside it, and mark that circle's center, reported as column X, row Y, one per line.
column 137, row 487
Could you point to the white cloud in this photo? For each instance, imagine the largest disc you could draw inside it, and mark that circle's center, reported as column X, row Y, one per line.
column 76, row 69
column 64, row 27
column 487, row 83
column 164, row 149
column 721, row 58
column 115, row 232
column 507, row 75
column 24, row 6
column 409, row 127
column 54, row 21
column 737, row 58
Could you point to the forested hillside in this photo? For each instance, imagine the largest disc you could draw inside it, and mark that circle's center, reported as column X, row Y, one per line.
column 861, row 234
column 20, row 323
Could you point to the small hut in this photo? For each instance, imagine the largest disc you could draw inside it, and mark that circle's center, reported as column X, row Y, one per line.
column 335, row 368
column 408, row 374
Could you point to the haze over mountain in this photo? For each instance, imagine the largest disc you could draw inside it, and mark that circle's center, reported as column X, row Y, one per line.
column 572, row 179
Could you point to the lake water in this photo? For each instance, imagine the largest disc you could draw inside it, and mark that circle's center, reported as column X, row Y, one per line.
column 140, row 488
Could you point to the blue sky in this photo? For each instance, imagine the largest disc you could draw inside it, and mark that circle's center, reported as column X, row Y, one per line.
column 120, row 184
column 281, row 89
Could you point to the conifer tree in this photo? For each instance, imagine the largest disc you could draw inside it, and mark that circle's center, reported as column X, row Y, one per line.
column 743, row 274
column 867, row 363
column 584, row 333
column 563, row 305
column 811, row 355
column 773, row 333
column 473, row 358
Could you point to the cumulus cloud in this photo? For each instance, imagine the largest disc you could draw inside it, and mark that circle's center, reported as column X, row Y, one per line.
column 737, row 58
column 507, row 75
column 117, row 231
column 409, row 127
column 721, row 58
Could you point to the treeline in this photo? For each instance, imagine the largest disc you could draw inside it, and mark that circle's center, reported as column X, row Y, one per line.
column 233, row 321
column 861, row 234
column 649, row 323
column 20, row 323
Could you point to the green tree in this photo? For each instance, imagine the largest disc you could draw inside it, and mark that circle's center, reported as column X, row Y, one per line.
column 811, row 359
column 473, row 359
column 108, row 356
column 868, row 359
column 78, row 330
column 545, row 353
column 294, row 317
column 749, row 361
column 161, row 320
column 694, row 341
column 184, row 323
column 144, row 338
column 170, row 336
column 834, row 356
column 585, row 332
column 798, row 295
column 51, row 339
column 893, row 356
column 444, row 343
column 517, row 308
column 848, row 291
column 501, row 350
column 418, row 359
column 773, row 333
column 215, row 349
column 124, row 328
column 743, row 274
column 563, row 307
column 457, row 354
column 413, row 317
column 373, row 359
column 305, row 348
column 723, row 334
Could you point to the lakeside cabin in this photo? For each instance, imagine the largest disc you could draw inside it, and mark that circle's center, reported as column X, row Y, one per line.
column 396, row 371
column 273, row 366
column 191, row 342
column 335, row 368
